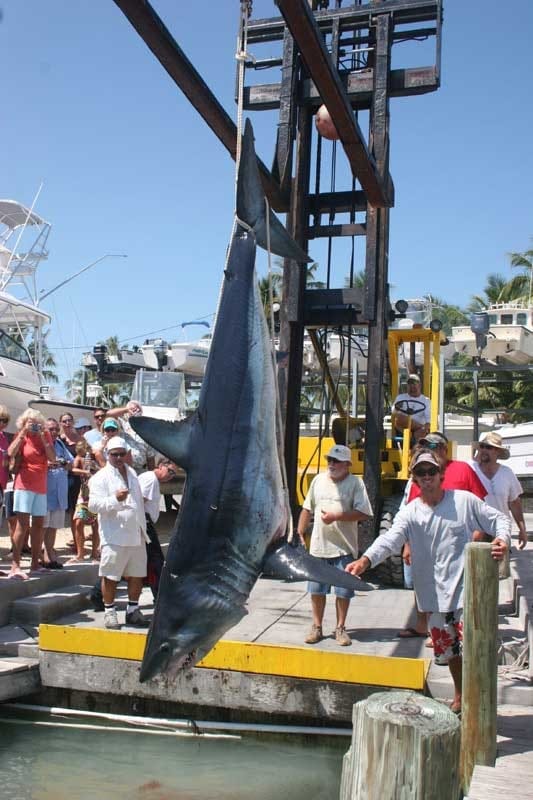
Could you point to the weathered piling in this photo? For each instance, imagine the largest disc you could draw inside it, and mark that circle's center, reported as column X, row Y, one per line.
column 404, row 745
column 480, row 647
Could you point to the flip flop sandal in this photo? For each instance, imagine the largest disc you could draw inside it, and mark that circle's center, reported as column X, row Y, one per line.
column 411, row 633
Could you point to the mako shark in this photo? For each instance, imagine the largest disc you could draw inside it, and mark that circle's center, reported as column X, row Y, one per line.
column 234, row 513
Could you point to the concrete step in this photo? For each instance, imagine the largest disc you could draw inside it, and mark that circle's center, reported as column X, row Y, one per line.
column 50, row 606
column 13, row 638
column 18, row 676
column 12, row 590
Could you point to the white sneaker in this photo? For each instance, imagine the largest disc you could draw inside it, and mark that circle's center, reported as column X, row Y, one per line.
column 111, row 619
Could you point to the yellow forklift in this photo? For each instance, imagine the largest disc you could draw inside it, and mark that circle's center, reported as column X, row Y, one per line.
column 425, row 342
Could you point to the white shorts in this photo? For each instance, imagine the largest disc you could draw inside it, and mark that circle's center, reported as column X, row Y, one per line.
column 54, row 519
column 118, row 562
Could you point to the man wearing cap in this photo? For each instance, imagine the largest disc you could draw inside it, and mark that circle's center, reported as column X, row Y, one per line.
column 412, row 405
column 110, row 428
column 337, row 500
column 457, row 475
column 502, row 486
column 116, row 496
column 142, row 455
column 438, row 525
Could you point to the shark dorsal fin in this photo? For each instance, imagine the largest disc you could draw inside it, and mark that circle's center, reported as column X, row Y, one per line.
column 252, row 210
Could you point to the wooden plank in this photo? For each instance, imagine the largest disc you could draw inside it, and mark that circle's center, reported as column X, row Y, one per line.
column 359, row 86
column 298, row 662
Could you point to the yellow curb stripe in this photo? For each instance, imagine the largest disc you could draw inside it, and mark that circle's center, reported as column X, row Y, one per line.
column 263, row 659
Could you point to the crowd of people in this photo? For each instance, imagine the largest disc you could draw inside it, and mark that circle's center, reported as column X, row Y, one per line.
column 447, row 504
column 99, row 475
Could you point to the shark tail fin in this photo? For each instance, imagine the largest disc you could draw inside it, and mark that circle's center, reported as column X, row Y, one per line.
column 252, row 209
column 294, row 563
column 170, row 438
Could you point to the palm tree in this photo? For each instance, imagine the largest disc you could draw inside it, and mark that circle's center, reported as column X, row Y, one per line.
column 524, row 261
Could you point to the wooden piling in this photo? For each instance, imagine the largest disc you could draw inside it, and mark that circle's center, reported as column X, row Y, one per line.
column 480, row 647
column 403, row 745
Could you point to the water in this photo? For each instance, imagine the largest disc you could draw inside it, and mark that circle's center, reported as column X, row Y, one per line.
column 49, row 758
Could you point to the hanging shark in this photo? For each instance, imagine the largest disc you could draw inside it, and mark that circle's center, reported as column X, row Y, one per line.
column 234, row 513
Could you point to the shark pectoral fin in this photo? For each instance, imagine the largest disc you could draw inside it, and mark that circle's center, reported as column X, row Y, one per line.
column 251, row 206
column 295, row 564
column 170, row 438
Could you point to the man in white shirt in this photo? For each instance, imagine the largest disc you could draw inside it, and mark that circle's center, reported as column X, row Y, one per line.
column 412, row 405
column 337, row 500
column 115, row 495
column 438, row 525
column 149, row 483
column 502, row 485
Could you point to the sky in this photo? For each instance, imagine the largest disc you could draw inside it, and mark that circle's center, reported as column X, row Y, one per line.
column 129, row 167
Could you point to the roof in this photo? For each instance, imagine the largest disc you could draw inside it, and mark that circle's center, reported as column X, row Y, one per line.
column 13, row 310
column 14, row 214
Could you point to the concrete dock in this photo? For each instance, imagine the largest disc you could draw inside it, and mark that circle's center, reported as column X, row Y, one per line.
column 263, row 669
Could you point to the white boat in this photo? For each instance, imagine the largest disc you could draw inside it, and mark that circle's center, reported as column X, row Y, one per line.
column 23, row 237
column 510, row 336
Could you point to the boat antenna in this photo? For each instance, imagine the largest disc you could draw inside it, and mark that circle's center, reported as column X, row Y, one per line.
column 84, row 269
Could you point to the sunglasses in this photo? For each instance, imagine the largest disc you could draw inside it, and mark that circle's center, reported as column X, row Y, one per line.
column 118, row 455
column 487, row 446
column 4, row 419
column 422, row 473
column 99, row 416
column 66, row 421
column 333, row 460
column 434, row 445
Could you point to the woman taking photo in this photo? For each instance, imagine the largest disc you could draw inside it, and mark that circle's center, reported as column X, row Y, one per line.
column 29, row 452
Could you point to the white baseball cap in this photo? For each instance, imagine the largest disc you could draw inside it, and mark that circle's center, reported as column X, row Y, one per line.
column 117, row 443
column 340, row 452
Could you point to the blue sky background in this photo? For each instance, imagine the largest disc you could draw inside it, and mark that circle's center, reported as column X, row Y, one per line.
column 129, row 167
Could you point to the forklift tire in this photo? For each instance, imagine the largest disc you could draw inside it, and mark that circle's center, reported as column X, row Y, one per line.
column 390, row 572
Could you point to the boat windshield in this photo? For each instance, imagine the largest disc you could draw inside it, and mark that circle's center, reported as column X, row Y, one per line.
column 9, row 348
column 163, row 389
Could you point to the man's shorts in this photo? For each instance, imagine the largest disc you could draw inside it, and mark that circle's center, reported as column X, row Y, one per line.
column 55, row 519
column 324, row 588
column 26, row 502
column 122, row 562
column 446, row 631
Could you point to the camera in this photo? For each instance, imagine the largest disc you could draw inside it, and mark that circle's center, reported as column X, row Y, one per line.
column 35, row 427
column 61, row 461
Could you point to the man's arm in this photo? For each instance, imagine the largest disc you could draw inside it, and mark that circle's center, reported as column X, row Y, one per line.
column 385, row 545
column 101, row 498
column 518, row 516
column 343, row 516
column 303, row 523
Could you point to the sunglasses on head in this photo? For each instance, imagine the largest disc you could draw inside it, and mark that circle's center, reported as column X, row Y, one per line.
column 422, row 473
column 484, row 446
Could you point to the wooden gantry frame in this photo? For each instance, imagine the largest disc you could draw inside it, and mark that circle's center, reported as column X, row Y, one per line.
column 311, row 35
